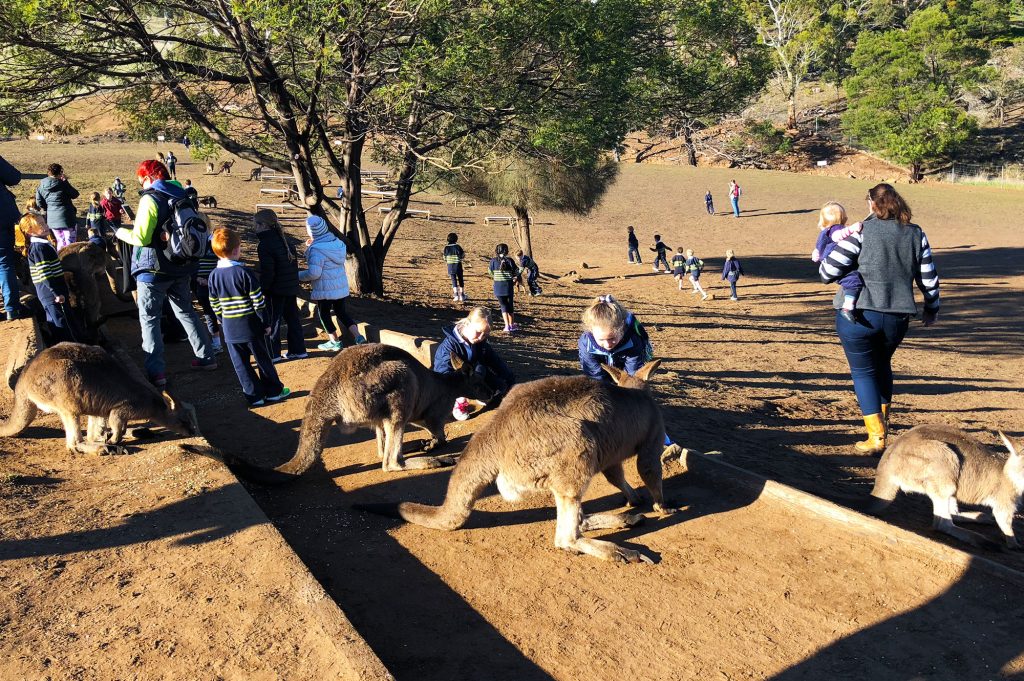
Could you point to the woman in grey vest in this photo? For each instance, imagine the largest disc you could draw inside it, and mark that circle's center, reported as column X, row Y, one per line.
column 891, row 254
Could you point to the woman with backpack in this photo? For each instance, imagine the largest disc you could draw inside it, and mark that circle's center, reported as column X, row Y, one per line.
column 504, row 271
column 55, row 195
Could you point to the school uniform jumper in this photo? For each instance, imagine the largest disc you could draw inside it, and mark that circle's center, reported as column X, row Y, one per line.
column 529, row 265
column 48, row 278
column 201, row 287
column 660, row 249
column 480, row 356
column 632, row 352
column 237, row 299
column 634, row 249
column 453, row 257
column 503, row 271
column 279, row 275
column 731, row 272
column 678, row 265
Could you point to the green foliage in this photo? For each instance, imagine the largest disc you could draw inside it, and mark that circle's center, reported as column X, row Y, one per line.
column 904, row 96
column 19, row 125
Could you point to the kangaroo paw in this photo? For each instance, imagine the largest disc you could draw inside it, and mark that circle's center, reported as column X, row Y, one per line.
column 610, row 521
column 99, row 449
column 429, row 462
column 665, row 510
column 606, row 550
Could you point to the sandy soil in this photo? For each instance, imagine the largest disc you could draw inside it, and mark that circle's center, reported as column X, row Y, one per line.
column 743, row 588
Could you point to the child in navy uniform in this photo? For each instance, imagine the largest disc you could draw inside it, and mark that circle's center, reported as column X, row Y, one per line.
column 529, row 266
column 634, row 247
column 453, row 257
column 504, row 272
column 94, row 221
column 731, row 272
column 48, row 278
column 709, row 203
column 238, row 301
column 279, row 277
column 694, row 266
column 832, row 223
column 660, row 249
column 679, row 266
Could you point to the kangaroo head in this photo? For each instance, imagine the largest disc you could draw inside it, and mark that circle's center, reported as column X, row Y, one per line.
column 179, row 417
column 637, row 381
column 475, row 384
column 1014, row 467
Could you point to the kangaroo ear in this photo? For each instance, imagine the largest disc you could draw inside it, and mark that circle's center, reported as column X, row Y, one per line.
column 617, row 374
column 648, row 369
column 457, row 363
column 168, row 400
column 1009, row 445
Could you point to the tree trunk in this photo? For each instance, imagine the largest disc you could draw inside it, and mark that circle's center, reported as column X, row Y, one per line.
column 691, row 151
column 915, row 171
column 521, row 229
column 353, row 221
column 791, row 110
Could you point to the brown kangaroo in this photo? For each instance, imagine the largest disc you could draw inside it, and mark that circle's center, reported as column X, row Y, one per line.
column 555, row 435
column 225, row 167
column 84, row 260
column 949, row 466
column 384, row 388
column 77, row 380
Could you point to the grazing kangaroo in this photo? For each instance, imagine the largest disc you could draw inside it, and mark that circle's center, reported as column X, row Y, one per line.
column 77, row 380
column 160, row 157
column 208, row 201
column 555, row 435
column 949, row 465
column 84, row 260
column 255, row 174
column 381, row 387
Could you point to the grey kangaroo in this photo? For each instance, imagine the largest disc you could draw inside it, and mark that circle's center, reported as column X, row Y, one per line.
column 384, row 388
column 949, row 465
column 76, row 380
column 555, row 435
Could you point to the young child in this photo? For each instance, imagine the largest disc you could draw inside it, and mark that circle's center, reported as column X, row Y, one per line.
column 504, row 272
column 731, row 272
column 453, row 257
column 94, row 221
column 201, row 288
column 613, row 335
column 119, row 188
column 48, row 278
column 709, row 203
column 679, row 266
column 238, row 301
column 279, row 275
column 660, row 248
column 833, row 229
column 113, row 208
column 529, row 266
column 325, row 257
column 634, row 247
column 694, row 266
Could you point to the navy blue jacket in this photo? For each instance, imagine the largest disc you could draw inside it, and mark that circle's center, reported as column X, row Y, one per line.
column 633, row 241
column 732, row 269
column 9, row 213
column 632, row 352
column 279, row 273
column 481, row 356
column 453, row 255
column 238, row 302
column 47, row 272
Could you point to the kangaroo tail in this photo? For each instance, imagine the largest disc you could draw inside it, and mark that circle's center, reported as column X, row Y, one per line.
column 471, row 476
column 22, row 413
column 875, row 505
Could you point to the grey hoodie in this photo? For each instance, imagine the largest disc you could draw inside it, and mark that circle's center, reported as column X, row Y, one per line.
column 55, row 196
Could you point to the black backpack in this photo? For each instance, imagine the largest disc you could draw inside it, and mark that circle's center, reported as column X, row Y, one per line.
column 186, row 229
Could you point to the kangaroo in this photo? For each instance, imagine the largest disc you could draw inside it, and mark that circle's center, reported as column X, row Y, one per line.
column 84, row 260
column 208, row 201
column 78, row 380
column 209, row 168
column 949, row 466
column 381, row 387
column 225, row 167
column 255, row 174
column 576, row 427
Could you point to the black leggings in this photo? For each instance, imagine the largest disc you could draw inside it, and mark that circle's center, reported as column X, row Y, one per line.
column 323, row 314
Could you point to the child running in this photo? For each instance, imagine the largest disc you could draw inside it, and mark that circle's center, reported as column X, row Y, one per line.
column 694, row 266
column 239, row 303
column 660, row 248
column 532, row 270
column 833, row 229
column 679, row 266
column 325, row 258
column 453, row 257
column 48, row 278
column 504, row 272
column 634, row 247
column 731, row 272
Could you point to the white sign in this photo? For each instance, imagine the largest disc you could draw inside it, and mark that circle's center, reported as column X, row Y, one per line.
column 822, row 164
column 41, row 138
column 160, row 138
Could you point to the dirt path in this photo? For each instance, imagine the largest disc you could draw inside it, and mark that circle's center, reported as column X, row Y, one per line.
column 744, row 588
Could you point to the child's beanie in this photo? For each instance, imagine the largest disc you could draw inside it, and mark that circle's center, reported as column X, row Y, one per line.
column 316, row 225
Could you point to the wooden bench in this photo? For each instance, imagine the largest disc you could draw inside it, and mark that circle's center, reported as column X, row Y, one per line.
column 379, row 194
column 374, row 173
column 408, row 211
column 270, row 190
column 284, row 206
column 463, row 200
column 500, row 220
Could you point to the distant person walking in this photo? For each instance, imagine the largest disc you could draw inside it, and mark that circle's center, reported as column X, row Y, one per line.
column 186, row 142
column 633, row 246
column 731, row 272
column 734, row 197
column 9, row 216
column 55, row 195
column 892, row 254
column 172, row 162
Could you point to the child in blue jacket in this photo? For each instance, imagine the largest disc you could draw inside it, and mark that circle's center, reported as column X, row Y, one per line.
column 529, row 266
column 731, row 272
column 659, row 249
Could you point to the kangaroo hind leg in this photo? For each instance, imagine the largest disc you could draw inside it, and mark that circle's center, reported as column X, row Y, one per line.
column 943, row 522
column 568, row 535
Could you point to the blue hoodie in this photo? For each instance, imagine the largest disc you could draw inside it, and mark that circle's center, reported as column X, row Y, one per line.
column 632, row 352
column 481, row 356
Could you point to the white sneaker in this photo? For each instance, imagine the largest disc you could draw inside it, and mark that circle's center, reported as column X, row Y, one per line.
column 703, row 296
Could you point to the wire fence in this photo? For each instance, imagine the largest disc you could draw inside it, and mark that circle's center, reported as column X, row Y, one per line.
column 968, row 172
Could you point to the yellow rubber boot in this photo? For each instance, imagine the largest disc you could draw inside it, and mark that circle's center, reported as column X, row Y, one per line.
column 885, row 419
column 875, row 444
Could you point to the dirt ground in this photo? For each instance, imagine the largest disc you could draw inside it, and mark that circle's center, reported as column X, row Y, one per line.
column 743, row 587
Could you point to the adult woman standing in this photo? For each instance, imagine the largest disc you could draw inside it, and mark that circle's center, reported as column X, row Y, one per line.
column 55, row 195
column 891, row 254
column 734, row 197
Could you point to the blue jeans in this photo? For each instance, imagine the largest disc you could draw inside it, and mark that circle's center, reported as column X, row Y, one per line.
column 869, row 344
column 735, row 205
column 151, row 305
column 9, row 282
column 732, row 288
column 634, row 255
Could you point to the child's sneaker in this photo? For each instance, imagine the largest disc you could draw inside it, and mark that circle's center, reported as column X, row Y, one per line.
column 278, row 359
column 360, row 339
column 733, row 298
column 204, row 364
column 257, row 403
column 462, row 410
column 848, row 315
column 703, row 296
column 297, row 355
column 331, row 345
column 285, row 392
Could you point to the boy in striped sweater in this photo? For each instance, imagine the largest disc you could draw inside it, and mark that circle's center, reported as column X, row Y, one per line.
column 238, row 301
column 679, row 266
column 48, row 278
column 453, row 257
